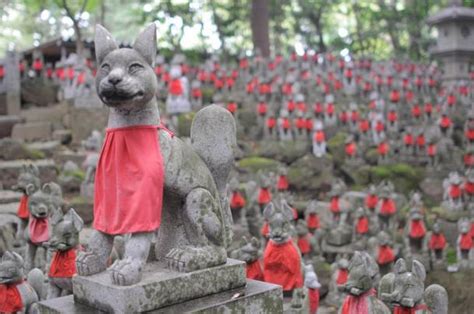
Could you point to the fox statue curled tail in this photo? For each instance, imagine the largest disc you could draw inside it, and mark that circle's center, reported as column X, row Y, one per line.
column 148, row 180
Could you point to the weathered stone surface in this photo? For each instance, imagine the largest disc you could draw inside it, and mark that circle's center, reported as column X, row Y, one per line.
column 76, row 157
column 256, row 297
column 84, row 208
column 32, row 131
column 9, row 170
column 48, row 148
column 39, row 92
column 9, row 208
column 62, row 136
column 54, row 113
column 160, row 287
column 11, row 149
column 7, row 196
column 7, row 123
column 283, row 151
column 311, row 173
column 85, row 121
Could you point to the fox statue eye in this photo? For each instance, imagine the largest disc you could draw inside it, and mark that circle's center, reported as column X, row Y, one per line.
column 105, row 67
column 135, row 67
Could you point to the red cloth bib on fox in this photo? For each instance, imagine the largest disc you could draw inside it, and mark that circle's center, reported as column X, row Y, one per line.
column 10, row 298
column 38, row 229
column 254, row 270
column 357, row 304
column 63, row 264
column 129, row 181
column 282, row 265
column 23, row 211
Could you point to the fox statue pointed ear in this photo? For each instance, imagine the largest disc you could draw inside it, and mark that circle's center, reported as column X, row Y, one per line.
column 104, row 43
column 145, row 44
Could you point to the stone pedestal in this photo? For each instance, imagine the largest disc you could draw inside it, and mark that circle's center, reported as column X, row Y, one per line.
column 218, row 289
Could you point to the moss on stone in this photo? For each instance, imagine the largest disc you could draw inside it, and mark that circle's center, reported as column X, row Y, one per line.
column 184, row 124
column 254, row 164
column 451, row 256
column 405, row 177
column 35, row 154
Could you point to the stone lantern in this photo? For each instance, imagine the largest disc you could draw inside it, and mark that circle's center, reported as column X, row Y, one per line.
column 455, row 43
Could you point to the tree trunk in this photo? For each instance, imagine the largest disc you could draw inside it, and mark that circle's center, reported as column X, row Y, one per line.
column 79, row 43
column 259, row 20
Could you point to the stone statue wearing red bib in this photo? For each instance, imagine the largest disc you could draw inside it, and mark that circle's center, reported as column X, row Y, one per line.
column 145, row 175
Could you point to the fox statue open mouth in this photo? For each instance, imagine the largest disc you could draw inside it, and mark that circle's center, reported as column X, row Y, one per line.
column 149, row 181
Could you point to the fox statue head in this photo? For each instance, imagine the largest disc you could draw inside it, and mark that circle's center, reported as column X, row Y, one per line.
column 125, row 77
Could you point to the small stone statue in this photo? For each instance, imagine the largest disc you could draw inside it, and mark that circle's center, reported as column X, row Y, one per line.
column 312, row 218
column 385, row 254
column 363, row 276
column 464, row 244
column 250, row 254
column 437, row 247
column 312, row 284
column 405, row 291
column 41, row 205
column 18, row 295
column 319, row 140
column 64, row 242
column 281, row 260
column 304, row 238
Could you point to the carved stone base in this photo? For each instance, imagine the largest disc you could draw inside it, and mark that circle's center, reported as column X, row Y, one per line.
column 159, row 287
column 255, row 297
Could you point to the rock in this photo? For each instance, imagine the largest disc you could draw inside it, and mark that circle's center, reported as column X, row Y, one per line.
column 9, row 170
column 405, row 178
column 432, row 188
column 7, row 232
column 84, row 208
column 39, row 92
column 63, row 136
column 7, row 196
column 254, row 164
column 184, row 124
column 47, row 148
column 310, row 173
column 336, row 147
column 11, row 149
column 7, row 123
column 283, row 151
column 32, row 131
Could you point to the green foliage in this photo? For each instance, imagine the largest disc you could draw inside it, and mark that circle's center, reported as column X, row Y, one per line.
column 451, row 256
column 35, row 154
column 184, row 124
column 405, row 177
column 79, row 174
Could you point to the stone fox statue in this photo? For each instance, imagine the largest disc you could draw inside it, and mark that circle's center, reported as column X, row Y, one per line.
column 149, row 180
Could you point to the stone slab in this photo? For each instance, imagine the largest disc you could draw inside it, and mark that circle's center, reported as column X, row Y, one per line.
column 159, row 287
column 77, row 157
column 48, row 147
column 9, row 208
column 32, row 131
column 7, row 123
column 255, row 297
column 10, row 169
column 7, row 196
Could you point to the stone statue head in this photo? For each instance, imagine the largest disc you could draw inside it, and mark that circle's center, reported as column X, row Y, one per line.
column 11, row 268
column 125, row 76
column 363, row 273
column 45, row 201
column 66, row 230
column 29, row 175
column 279, row 220
column 249, row 251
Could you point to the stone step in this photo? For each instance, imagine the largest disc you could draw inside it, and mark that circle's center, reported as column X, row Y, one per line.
column 255, row 297
column 8, row 196
column 9, row 170
column 7, row 123
column 48, row 147
column 32, row 131
column 159, row 287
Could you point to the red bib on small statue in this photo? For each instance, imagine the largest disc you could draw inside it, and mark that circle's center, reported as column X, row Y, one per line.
column 254, row 270
column 23, row 211
column 282, row 265
column 10, row 298
column 129, row 181
column 63, row 264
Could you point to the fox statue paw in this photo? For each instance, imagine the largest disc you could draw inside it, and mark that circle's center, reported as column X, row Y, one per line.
column 189, row 258
column 126, row 272
column 89, row 263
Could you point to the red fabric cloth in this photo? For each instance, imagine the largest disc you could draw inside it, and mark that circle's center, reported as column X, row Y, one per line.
column 319, row 136
column 282, row 184
column 265, row 230
column 301, row 106
column 466, row 241
column 351, row 149
column 290, row 106
column 254, row 270
column 10, row 298
column 364, row 125
column 312, row 221
column 445, row 122
column 282, row 265
column 63, row 264
column 398, row 309
column 300, row 123
column 469, row 188
column 362, row 225
column 237, row 200
column 379, row 127
column 420, row 140
column 232, row 107
column 334, row 206
column 175, row 88
column 129, row 181
column 304, row 245
column 357, row 304
column 417, row 229
column 37, row 65
column 451, row 100
column 371, row 201
column 309, row 124
column 416, row 111
column 2, row 71
column 264, row 196
column 431, row 150
column 468, row 160
column 455, row 191
column 313, row 300
column 437, row 241
column 271, row 123
column 38, row 229
column 469, row 134
column 408, row 139
column 388, row 207
column 394, row 96
column 342, row 274
column 23, row 211
column 262, row 108
column 196, row 93
column 392, row 116
column 382, row 149
column 385, row 255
